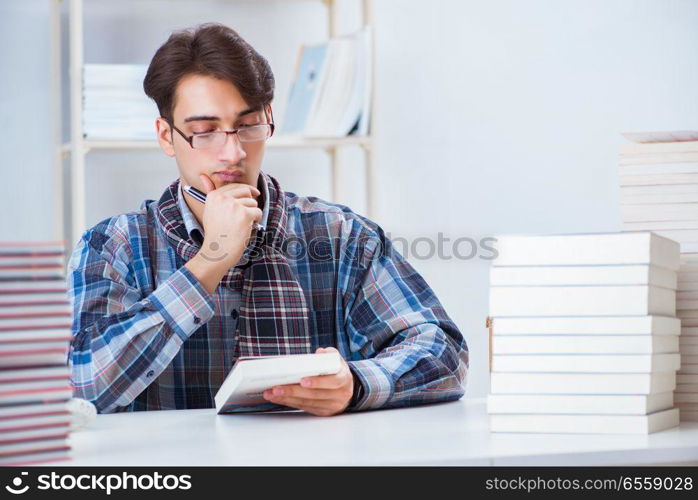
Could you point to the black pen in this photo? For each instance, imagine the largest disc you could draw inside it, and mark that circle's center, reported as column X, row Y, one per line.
column 199, row 196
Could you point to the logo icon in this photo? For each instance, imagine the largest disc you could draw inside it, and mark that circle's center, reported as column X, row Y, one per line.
column 17, row 482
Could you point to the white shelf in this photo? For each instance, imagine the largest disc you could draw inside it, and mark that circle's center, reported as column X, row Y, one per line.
column 276, row 142
column 78, row 147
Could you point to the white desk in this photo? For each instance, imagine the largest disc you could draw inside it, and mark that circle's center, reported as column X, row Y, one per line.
column 444, row 434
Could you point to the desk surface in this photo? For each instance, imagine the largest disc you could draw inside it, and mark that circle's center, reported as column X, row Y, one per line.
column 443, row 434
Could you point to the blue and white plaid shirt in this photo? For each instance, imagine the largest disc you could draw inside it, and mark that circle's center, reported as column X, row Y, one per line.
column 143, row 319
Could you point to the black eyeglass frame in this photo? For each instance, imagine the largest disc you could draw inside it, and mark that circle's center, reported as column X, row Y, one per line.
column 190, row 139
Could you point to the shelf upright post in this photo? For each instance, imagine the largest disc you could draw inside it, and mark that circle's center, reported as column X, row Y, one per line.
column 370, row 179
column 57, row 157
column 77, row 152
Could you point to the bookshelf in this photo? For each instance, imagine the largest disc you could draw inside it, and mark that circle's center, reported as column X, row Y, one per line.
column 79, row 147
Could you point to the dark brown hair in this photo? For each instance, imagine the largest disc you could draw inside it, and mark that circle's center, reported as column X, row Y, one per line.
column 210, row 49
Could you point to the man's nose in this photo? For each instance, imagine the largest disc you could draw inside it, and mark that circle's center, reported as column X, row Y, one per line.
column 232, row 150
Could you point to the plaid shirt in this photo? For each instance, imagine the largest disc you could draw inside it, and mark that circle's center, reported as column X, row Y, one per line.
column 142, row 320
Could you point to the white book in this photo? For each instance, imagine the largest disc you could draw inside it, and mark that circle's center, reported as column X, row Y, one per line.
column 687, row 387
column 659, row 225
column 689, row 416
column 660, row 141
column 579, row 404
column 582, row 383
column 665, row 211
column 689, row 331
column 250, row 377
column 11, row 273
column 687, row 286
column 28, row 374
column 657, row 179
column 667, row 189
column 658, row 158
column 685, row 405
column 37, row 322
column 36, row 458
column 34, row 395
column 34, row 286
column 649, row 199
column 18, row 348
column 584, row 344
column 46, row 335
column 580, row 363
column 645, row 167
column 37, row 445
column 35, row 310
column 681, row 397
column 17, row 425
column 680, row 235
column 28, row 261
column 588, row 325
column 690, row 359
column 689, row 349
column 688, row 340
column 31, row 248
column 687, row 276
column 586, row 424
column 686, row 379
column 588, row 249
column 54, row 357
column 581, row 301
column 689, row 369
column 19, row 299
column 30, row 410
column 583, row 275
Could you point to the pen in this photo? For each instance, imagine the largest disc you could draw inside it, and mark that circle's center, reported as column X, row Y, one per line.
column 199, row 196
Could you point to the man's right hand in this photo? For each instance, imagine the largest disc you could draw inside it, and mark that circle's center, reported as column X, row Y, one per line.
column 229, row 214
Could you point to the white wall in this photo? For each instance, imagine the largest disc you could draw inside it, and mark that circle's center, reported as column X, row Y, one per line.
column 492, row 117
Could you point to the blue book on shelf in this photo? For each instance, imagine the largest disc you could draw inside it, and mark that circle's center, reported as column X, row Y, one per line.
column 305, row 88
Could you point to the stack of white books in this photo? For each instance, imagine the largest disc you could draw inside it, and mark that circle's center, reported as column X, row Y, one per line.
column 35, row 321
column 659, row 193
column 584, row 334
column 115, row 107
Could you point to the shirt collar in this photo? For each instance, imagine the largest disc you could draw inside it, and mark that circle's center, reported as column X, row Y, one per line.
column 194, row 229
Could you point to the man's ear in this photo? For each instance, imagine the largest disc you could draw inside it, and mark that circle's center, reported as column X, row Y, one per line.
column 165, row 136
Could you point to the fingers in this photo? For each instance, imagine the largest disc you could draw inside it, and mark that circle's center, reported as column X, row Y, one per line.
column 207, row 183
column 294, row 391
column 293, row 397
column 237, row 189
column 335, row 381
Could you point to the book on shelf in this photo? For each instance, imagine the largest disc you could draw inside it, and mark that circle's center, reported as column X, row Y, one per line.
column 114, row 105
column 331, row 91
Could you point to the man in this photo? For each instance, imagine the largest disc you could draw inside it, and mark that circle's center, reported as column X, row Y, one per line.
column 166, row 298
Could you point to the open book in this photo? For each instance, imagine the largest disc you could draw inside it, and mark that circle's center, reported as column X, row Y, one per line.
column 243, row 387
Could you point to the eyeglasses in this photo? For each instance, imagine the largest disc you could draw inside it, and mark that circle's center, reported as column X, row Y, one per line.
column 215, row 140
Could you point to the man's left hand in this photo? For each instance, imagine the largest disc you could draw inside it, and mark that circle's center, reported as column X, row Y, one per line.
column 323, row 395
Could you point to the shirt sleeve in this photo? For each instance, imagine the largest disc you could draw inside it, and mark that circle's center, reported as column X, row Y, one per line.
column 410, row 352
column 123, row 340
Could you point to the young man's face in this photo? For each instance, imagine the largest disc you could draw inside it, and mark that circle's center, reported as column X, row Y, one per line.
column 205, row 104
